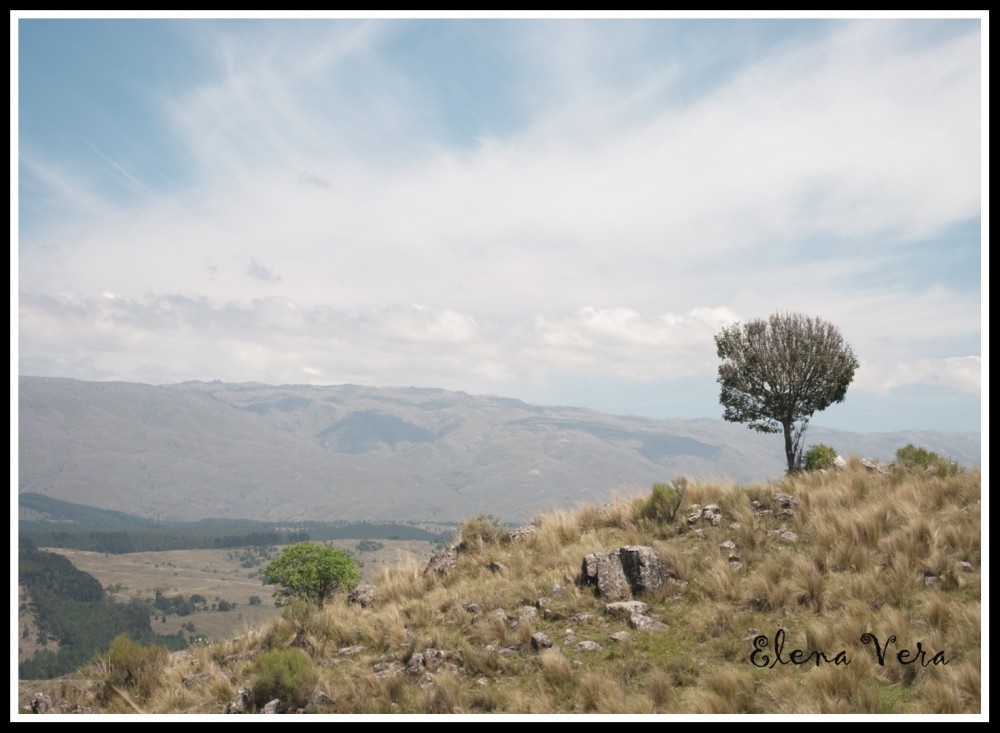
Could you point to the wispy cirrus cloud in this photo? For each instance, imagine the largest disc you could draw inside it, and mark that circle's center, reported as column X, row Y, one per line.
column 558, row 196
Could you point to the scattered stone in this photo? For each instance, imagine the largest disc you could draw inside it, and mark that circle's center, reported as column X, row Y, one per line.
column 272, row 707
column 693, row 517
column 523, row 533
column 727, row 545
column 426, row 680
column 788, row 536
column 542, row 602
column 621, row 635
column 41, row 703
column 540, row 641
column 482, row 681
column 641, row 622
column 839, row 463
column 346, row 650
column 873, row 465
column 589, row 646
column 443, row 561
column 434, row 658
column 580, row 619
column 241, row 657
column 416, row 664
column 558, row 590
column 510, row 651
column 321, row 698
column 735, row 525
column 626, row 608
column 699, row 533
column 240, row 703
column 363, row 595
column 931, row 580
column 785, row 501
column 195, row 679
column 529, row 612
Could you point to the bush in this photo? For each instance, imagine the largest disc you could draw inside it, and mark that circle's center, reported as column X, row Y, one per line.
column 914, row 458
column 665, row 501
column 132, row 668
column 819, row 457
column 485, row 529
column 286, row 674
column 311, row 571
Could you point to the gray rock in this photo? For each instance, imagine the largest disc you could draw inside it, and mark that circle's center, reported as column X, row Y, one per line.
column 443, row 561
column 347, row 650
column 540, row 641
column 581, row 618
column 272, row 707
column 240, row 657
column 589, row 646
column 529, row 612
column 195, row 679
column 626, row 608
column 839, row 463
column 363, row 595
column 642, row 623
column 41, row 703
column 558, row 590
column 789, row 537
column 240, row 703
column 626, row 571
column 523, row 533
column 785, row 501
column 621, row 635
column 604, row 569
column 727, row 545
column 416, row 664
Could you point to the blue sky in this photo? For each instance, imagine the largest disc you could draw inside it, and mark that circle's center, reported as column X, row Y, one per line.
column 559, row 210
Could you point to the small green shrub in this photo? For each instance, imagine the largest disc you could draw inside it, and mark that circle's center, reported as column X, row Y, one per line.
column 665, row 501
column 819, row 457
column 913, row 458
column 485, row 529
column 286, row 674
column 131, row 668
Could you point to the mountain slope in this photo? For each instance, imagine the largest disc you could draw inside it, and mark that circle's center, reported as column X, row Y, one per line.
column 196, row 450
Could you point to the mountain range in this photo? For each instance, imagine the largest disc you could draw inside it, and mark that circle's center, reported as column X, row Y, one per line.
column 295, row 452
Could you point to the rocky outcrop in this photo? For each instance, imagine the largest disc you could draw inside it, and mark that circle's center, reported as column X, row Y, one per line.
column 443, row 561
column 625, row 571
column 363, row 595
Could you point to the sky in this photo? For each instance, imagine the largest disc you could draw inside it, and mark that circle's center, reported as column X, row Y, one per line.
column 563, row 211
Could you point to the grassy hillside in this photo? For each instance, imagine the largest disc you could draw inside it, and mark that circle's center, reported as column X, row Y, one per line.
column 848, row 559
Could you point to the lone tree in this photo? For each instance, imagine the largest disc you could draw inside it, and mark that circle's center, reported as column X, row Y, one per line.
column 776, row 373
column 311, row 571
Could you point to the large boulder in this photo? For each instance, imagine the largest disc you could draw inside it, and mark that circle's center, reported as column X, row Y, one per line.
column 625, row 571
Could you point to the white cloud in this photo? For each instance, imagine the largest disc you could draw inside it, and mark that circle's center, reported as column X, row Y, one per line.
column 545, row 249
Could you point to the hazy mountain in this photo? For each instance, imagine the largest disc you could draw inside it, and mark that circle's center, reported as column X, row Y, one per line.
column 196, row 450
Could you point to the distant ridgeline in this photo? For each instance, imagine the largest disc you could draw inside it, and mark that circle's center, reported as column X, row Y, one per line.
column 75, row 526
column 71, row 607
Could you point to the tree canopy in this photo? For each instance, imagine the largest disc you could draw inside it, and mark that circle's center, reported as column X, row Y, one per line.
column 776, row 373
column 311, row 571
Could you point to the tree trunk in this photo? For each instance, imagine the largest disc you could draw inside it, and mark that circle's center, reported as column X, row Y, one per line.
column 789, row 447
